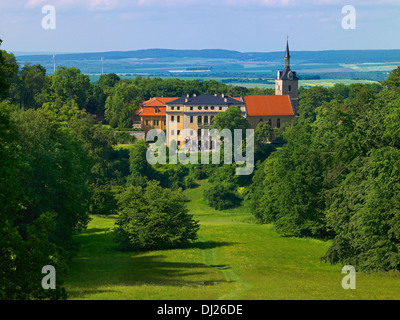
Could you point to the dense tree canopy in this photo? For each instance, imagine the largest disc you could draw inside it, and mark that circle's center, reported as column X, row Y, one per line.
column 153, row 217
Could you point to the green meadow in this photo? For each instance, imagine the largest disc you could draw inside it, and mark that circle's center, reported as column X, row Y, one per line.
column 233, row 258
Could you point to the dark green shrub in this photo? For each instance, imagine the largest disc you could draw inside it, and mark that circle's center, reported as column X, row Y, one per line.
column 222, row 196
column 153, row 217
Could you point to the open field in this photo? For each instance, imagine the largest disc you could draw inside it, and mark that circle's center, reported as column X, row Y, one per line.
column 234, row 258
column 225, row 64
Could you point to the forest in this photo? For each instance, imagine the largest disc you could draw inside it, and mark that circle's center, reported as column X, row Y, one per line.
column 336, row 177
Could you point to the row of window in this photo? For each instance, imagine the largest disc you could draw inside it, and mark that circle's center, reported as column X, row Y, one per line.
column 200, row 108
column 200, row 119
column 278, row 122
column 155, row 122
column 178, row 132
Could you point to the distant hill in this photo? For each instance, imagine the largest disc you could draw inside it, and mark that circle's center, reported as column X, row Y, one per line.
column 226, row 64
column 329, row 56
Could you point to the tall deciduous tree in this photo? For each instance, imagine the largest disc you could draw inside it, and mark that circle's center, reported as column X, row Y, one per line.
column 69, row 84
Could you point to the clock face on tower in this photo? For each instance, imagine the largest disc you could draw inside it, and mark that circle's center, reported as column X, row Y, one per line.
column 290, row 75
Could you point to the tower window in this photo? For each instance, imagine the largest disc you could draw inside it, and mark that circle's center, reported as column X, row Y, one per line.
column 278, row 123
column 290, row 88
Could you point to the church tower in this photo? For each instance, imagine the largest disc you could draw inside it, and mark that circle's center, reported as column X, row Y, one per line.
column 287, row 83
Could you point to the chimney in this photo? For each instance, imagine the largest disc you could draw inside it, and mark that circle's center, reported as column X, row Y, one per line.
column 186, row 100
column 194, row 95
column 226, row 100
column 223, row 96
column 188, row 95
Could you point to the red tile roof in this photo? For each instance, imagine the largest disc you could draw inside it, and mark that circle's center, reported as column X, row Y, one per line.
column 158, row 101
column 149, row 111
column 150, row 105
column 268, row 105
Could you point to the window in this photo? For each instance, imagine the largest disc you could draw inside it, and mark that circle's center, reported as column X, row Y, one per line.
column 172, row 108
column 178, row 118
column 206, row 108
column 179, row 143
column 261, row 120
column 165, row 122
column 172, row 118
column 172, row 132
column 178, row 108
column 191, row 108
column 191, row 132
column 220, row 108
column 146, row 122
column 155, row 110
column 270, row 122
column 278, row 123
column 199, row 108
column 212, row 107
column 178, row 132
column 191, row 119
column 199, row 119
column 205, row 119
column 290, row 88
column 211, row 119
column 156, row 122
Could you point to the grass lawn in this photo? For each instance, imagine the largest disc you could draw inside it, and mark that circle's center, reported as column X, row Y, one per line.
column 234, row 258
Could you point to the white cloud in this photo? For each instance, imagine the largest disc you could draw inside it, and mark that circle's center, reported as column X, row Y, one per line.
column 89, row 4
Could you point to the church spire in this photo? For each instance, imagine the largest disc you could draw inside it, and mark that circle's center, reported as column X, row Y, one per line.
column 287, row 54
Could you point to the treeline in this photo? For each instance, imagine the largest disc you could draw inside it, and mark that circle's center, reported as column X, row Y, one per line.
column 338, row 175
column 110, row 98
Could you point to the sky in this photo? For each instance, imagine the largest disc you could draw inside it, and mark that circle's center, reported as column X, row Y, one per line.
column 241, row 25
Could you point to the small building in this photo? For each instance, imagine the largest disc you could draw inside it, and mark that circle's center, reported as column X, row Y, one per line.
column 276, row 110
column 153, row 113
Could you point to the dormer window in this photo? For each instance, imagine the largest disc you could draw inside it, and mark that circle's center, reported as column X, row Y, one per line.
column 156, row 110
column 199, row 108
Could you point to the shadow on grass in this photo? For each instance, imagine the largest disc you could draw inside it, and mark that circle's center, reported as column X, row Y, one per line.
column 93, row 230
column 99, row 265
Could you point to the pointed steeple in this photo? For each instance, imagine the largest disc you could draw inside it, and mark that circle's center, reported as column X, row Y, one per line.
column 287, row 54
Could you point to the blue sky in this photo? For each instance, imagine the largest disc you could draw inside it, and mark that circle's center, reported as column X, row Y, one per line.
column 242, row 25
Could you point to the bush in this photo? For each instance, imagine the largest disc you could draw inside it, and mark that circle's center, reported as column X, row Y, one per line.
column 113, row 123
column 222, row 196
column 124, row 137
column 153, row 217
